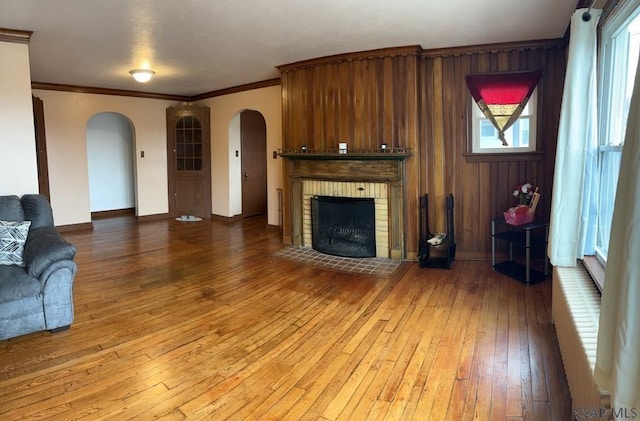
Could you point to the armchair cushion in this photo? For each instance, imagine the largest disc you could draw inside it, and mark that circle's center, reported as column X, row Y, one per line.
column 11, row 209
column 37, row 209
column 16, row 284
column 13, row 235
column 44, row 246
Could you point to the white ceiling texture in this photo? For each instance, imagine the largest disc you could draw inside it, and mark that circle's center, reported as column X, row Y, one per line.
column 198, row 46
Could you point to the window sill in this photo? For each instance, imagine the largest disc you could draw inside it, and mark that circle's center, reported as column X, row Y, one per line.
column 504, row 156
column 595, row 269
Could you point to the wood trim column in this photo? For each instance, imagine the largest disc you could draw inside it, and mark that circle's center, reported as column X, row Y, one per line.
column 396, row 220
column 296, row 211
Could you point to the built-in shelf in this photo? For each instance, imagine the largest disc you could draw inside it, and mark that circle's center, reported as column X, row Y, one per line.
column 355, row 154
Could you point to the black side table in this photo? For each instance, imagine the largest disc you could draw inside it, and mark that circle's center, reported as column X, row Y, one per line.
column 519, row 236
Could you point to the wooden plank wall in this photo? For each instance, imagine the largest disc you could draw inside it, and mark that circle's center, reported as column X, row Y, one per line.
column 483, row 190
column 407, row 97
column 363, row 99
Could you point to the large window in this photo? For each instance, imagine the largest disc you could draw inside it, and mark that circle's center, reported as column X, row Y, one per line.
column 521, row 137
column 618, row 57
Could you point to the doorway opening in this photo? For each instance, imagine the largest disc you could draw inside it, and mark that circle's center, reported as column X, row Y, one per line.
column 253, row 138
column 248, row 164
column 111, row 164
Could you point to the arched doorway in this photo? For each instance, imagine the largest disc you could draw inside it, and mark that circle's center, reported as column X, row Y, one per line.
column 110, row 159
column 253, row 140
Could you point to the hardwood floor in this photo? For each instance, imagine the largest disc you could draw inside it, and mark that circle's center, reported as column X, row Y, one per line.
column 200, row 321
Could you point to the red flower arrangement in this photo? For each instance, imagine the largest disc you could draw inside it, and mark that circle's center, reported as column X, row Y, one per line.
column 527, row 203
column 524, row 193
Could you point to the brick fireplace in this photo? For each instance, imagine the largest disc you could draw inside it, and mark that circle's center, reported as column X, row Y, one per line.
column 367, row 175
column 376, row 191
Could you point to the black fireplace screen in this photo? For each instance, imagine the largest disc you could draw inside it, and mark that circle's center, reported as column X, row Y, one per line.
column 343, row 226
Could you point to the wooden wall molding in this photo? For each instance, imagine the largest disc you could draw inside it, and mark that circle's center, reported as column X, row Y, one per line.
column 138, row 94
column 114, row 213
column 153, row 217
column 411, row 50
column 105, row 91
column 353, row 170
column 235, row 89
column 15, row 35
column 504, row 47
column 75, row 227
column 430, row 53
column 226, row 219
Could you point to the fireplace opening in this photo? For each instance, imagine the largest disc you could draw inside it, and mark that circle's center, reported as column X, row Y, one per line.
column 343, row 226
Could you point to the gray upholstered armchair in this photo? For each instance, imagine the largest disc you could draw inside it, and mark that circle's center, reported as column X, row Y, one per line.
column 36, row 268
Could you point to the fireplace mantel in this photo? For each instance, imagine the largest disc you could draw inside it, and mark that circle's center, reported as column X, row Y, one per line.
column 353, row 155
column 356, row 167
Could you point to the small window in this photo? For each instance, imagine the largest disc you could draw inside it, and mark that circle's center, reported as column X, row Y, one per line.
column 521, row 136
column 188, row 144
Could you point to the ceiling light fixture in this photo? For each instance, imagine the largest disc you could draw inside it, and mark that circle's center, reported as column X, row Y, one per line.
column 142, row 75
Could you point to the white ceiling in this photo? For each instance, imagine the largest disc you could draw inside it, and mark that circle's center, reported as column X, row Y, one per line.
column 197, row 46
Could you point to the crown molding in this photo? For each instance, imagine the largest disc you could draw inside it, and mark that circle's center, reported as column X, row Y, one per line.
column 416, row 50
column 411, row 50
column 235, row 89
column 137, row 94
column 15, row 35
column 495, row 48
column 105, row 91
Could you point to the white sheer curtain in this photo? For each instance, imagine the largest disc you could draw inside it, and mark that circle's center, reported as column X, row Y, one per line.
column 576, row 151
column 618, row 355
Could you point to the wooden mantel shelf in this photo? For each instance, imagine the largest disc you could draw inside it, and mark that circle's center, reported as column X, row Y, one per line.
column 353, row 155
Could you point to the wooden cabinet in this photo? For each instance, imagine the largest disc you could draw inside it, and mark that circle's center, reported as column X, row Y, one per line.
column 189, row 161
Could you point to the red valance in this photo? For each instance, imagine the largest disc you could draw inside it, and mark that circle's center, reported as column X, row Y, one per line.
column 502, row 96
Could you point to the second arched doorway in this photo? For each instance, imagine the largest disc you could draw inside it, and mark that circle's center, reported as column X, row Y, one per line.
column 253, row 144
column 111, row 164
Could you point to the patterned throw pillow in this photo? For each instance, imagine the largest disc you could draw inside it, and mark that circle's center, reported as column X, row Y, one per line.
column 12, row 237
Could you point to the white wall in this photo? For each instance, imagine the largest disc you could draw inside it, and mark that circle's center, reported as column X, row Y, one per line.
column 18, row 162
column 235, row 165
column 66, row 118
column 110, row 153
column 268, row 101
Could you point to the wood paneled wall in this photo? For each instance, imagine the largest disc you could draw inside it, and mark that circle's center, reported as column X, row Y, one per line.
column 407, row 97
column 363, row 99
column 483, row 189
